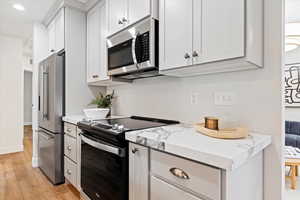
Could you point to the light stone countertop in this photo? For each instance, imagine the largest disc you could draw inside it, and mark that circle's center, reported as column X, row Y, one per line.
column 185, row 141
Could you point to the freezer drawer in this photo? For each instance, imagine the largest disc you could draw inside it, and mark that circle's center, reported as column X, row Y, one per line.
column 51, row 155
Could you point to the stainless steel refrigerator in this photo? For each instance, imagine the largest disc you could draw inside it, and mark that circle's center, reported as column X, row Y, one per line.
column 51, row 110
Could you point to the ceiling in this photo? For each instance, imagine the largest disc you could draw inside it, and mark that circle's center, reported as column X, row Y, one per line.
column 19, row 23
column 292, row 10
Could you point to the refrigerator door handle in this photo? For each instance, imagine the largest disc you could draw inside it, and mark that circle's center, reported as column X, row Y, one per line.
column 45, row 95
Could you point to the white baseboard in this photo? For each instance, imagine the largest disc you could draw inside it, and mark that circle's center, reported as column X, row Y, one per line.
column 35, row 162
column 27, row 123
column 11, row 149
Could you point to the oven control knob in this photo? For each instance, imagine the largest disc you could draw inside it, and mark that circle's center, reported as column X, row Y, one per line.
column 121, row 128
column 115, row 127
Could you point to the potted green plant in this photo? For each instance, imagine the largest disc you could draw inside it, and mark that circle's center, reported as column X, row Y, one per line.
column 104, row 103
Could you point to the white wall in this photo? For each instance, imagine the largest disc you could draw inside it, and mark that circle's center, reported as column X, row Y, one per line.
column 11, row 95
column 27, row 98
column 291, row 57
column 258, row 98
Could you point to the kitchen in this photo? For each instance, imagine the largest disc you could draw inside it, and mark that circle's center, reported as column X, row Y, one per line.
column 163, row 60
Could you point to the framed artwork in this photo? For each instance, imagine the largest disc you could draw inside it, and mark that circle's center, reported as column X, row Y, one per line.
column 292, row 85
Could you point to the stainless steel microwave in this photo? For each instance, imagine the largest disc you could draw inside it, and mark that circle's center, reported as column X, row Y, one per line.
column 133, row 52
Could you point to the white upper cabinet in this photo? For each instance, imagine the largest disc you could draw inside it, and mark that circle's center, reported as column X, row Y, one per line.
column 96, row 46
column 122, row 13
column 93, row 44
column 51, row 37
column 138, row 9
column 176, row 36
column 60, row 31
column 117, row 11
column 56, row 33
column 209, row 36
column 218, row 35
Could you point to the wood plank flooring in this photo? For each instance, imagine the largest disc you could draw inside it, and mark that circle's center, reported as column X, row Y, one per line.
column 19, row 181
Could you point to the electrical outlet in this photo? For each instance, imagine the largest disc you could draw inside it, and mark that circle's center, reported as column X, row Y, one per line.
column 224, row 98
column 194, row 98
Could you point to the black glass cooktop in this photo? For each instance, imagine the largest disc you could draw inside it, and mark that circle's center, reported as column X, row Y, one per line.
column 132, row 123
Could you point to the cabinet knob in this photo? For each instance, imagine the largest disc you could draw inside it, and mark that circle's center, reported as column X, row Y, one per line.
column 52, row 50
column 124, row 20
column 69, row 148
column 69, row 130
column 69, row 172
column 120, row 21
column 134, row 150
column 195, row 54
column 95, row 76
column 187, row 56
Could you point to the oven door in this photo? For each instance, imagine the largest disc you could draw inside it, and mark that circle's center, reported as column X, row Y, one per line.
column 104, row 170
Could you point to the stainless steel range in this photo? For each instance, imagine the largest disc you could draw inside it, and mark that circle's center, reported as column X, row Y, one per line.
column 104, row 155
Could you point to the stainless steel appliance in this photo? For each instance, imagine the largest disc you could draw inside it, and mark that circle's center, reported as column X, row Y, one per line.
column 104, row 155
column 51, row 110
column 133, row 52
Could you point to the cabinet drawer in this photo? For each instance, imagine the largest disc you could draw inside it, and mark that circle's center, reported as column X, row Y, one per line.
column 70, row 171
column 70, row 129
column 201, row 179
column 70, row 148
column 161, row 190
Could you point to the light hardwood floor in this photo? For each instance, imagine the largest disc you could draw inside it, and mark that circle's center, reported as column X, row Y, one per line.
column 19, row 181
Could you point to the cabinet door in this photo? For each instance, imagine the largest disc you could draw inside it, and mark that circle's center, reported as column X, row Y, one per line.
column 176, row 20
column 138, row 172
column 51, row 36
column 93, row 44
column 117, row 14
column 103, row 47
column 60, row 31
column 161, row 190
column 138, row 9
column 218, row 30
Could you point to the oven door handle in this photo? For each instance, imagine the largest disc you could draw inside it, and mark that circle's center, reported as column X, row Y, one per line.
column 104, row 147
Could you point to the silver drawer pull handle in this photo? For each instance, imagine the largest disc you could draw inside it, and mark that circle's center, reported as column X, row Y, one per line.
column 69, row 148
column 69, row 172
column 179, row 173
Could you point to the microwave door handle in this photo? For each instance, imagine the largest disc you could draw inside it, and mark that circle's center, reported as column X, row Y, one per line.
column 133, row 49
column 103, row 147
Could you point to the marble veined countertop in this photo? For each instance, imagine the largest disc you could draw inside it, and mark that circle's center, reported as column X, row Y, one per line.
column 183, row 140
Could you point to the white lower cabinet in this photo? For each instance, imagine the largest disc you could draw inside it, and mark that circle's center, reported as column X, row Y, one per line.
column 171, row 177
column 161, row 190
column 72, row 154
column 138, row 172
column 70, row 171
